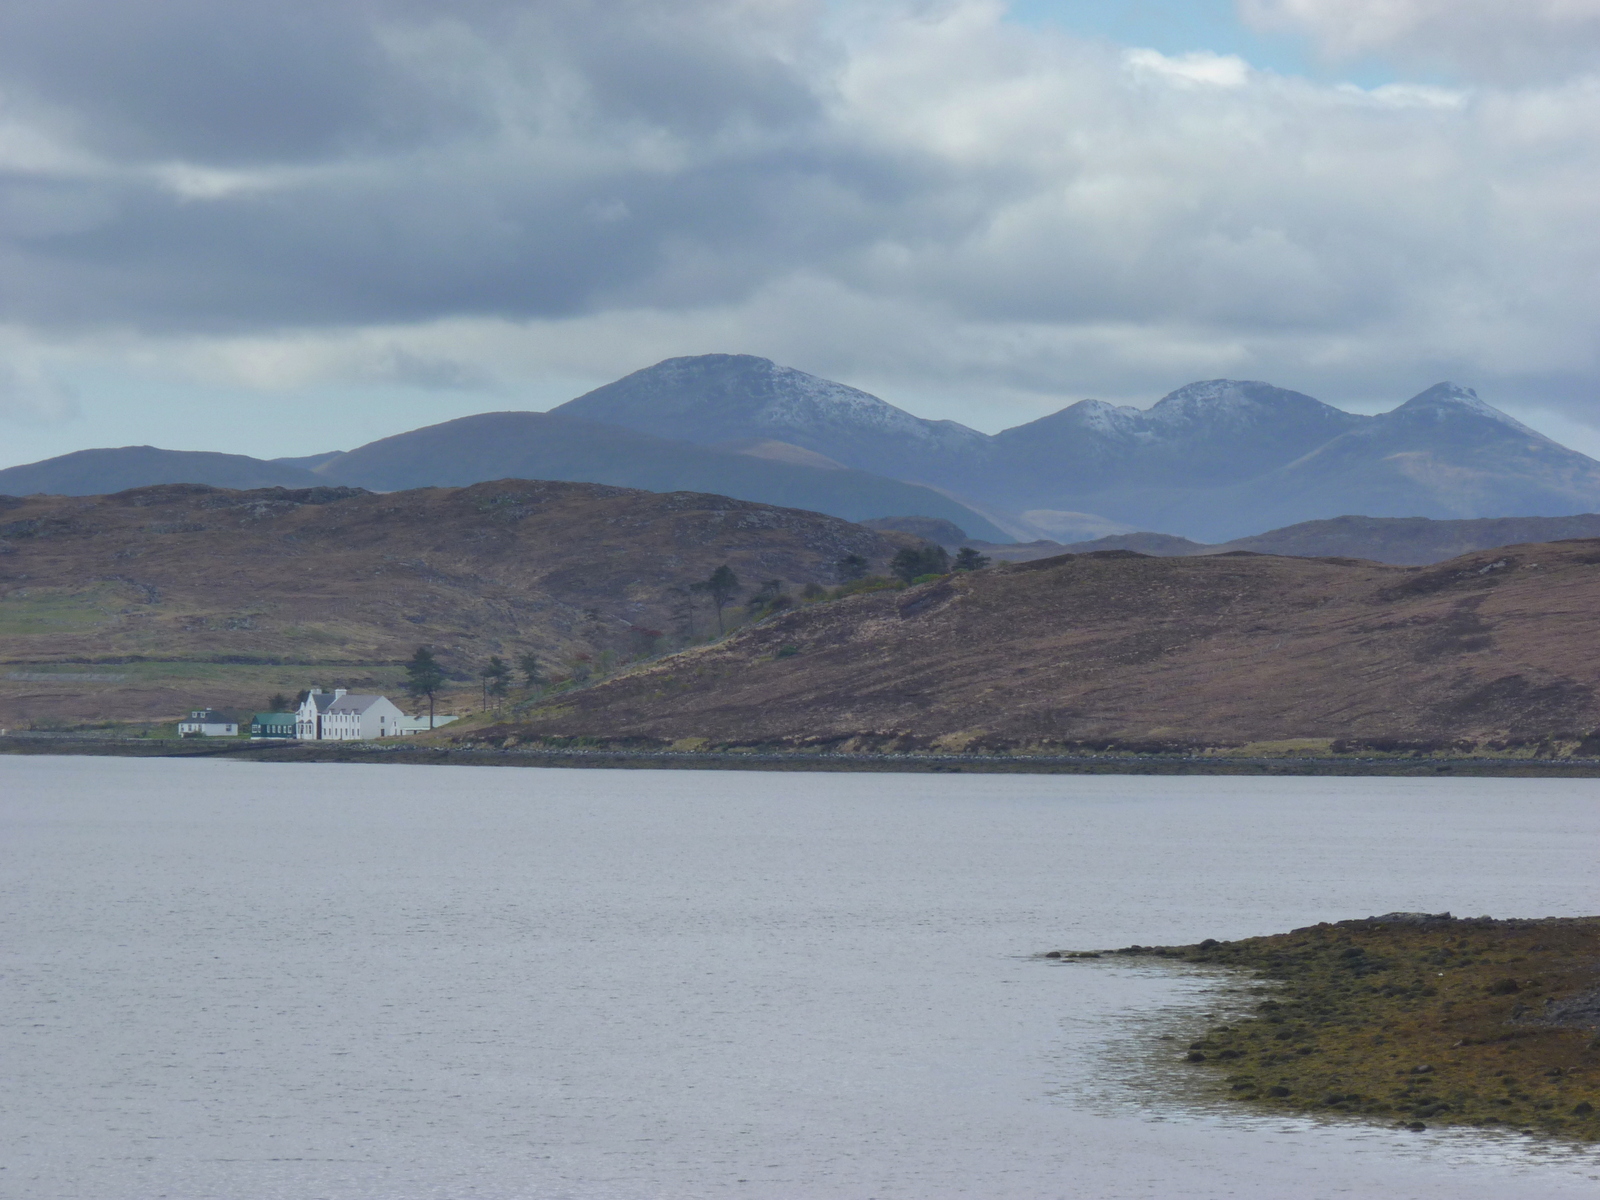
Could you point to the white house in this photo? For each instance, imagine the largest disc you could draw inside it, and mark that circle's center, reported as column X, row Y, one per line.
column 209, row 722
column 342, row 716
column 308, row 717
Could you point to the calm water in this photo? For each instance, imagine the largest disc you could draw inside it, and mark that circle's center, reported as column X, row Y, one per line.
column 260, row 981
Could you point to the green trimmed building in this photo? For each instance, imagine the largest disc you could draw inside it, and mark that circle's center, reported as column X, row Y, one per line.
column 272, row 725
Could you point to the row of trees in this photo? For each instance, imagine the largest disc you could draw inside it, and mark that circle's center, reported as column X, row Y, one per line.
column 426, row 678
column 912, row 564
column 722, row 587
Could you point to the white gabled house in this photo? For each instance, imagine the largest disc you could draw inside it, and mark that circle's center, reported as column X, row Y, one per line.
column 308, row 717
column 342, row 716
column 209, row 722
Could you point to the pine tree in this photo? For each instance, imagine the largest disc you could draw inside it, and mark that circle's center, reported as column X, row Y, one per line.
column 424, row 677
column 496, row 678
column 851, row 568
column 528, row 664
column 912, row 564
column 722, row 587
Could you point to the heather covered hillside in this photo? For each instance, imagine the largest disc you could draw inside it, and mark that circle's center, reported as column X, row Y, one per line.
column 1119, row 648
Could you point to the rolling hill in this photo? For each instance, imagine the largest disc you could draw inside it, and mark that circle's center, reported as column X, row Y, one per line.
column 98, row 472
column 145, row 603
column 1120, row 649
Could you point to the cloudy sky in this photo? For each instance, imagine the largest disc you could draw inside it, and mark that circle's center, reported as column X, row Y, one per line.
column 293, row 227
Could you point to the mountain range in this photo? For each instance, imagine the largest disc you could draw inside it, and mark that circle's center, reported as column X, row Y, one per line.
column 1212, row 462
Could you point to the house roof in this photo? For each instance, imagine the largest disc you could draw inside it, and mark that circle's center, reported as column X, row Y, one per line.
column 349, row 703
column 213, row 716
column 273, row 718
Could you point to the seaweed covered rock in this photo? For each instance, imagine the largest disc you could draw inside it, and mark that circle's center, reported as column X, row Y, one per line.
column 1409, row 1018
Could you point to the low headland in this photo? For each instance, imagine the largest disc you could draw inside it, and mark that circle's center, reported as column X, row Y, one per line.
column 1414, row 1019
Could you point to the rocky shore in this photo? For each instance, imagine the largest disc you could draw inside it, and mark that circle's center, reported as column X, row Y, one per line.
column 509, row 752
column 1413, row 1019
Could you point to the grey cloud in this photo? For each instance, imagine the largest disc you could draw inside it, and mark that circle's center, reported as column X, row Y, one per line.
column 432, row 373
column 1000, row 205
column 194, row 79
column 1499, row 40
column 302, row 80
column 580, row 148
column 31, row 396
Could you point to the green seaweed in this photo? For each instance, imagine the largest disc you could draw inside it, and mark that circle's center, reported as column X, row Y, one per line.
column 1416, row 1019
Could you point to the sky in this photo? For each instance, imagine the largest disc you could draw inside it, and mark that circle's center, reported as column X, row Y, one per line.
column 287, row 228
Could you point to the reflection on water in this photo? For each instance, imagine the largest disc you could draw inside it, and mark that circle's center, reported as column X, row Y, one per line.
column 353, row 982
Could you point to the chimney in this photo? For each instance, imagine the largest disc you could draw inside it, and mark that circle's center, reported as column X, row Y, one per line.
column 337, row 692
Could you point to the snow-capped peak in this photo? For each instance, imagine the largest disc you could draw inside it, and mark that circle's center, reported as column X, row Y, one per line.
column 1445, row 399
column 799, row 401
column 1221, row 400
column 1107, row 419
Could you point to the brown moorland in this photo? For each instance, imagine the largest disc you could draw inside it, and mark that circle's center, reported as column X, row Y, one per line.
column 140, row 604
column 1121, row 650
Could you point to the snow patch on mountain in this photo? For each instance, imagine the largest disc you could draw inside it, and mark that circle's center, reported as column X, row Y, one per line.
column 1109, row 420
column 811, row 404
column 1234, row 402
column 1211, row 403
column 1444, row 401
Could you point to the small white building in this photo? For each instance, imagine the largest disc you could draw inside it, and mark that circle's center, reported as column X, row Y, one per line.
column 419, row 723
column 209, row 722
column 342, row 716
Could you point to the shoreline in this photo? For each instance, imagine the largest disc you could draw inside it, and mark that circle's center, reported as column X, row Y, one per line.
column 1409, row 1019
column 32, row 743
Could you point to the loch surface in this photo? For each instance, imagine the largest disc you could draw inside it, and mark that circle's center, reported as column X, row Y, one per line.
column 350, row 982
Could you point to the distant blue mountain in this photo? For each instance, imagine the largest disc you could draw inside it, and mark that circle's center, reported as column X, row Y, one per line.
column 97, row 472
column 526, row 445
column 1214, row 460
